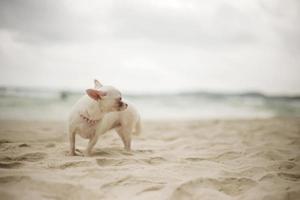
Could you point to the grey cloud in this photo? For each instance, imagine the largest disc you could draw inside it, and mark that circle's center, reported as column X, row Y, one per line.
column 52, row 21
column 32, row 20
column 36, row 21
column 134, row 20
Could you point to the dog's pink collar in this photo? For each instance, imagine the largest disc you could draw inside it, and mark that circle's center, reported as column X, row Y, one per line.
column 89, row 121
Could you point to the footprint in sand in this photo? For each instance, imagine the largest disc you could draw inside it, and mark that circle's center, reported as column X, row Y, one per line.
column 69, row 164
column 272, row 155
column 3, row 141
column 44, row 189
column 50, row 145
column 132, row 180
column 289, row 176
column 248, row 172
column 143, row 151
column 119, row 162
column 230, row 155
column 296, row 159
column 281, row 175
column 8, row 179
column 107, row 162
column 151, row 189
column 116, row 183
column 31, row 157
column 111, row 152
column 228, row 186
column 154, row 160
column 285, row 165
column 24, row 145
column 102, row 153
column 103, row 162
column 10, row 165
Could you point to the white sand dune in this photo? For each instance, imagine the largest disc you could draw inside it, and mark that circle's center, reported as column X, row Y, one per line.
column 217, row 159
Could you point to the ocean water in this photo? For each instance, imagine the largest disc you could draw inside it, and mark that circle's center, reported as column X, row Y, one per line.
column 30, row 104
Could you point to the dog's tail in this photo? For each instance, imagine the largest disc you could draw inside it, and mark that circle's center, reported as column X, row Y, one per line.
column 138, row 127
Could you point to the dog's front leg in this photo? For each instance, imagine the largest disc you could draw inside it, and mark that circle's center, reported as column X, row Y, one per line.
column 91, row 144
column 93, row 139
column 100, row 130
column 127, row 141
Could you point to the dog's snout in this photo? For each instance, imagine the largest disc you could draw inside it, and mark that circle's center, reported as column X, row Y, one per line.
column 122, row 104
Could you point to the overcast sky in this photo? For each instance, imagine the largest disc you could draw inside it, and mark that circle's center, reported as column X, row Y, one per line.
column 152, row 46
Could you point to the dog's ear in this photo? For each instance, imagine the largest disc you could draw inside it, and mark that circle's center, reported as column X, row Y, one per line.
column 97, row 84
column 95, row 94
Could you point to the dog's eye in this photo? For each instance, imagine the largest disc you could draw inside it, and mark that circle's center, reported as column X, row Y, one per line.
column 120, row 99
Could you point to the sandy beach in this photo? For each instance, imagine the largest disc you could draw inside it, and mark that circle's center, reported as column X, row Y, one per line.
column 205, row 159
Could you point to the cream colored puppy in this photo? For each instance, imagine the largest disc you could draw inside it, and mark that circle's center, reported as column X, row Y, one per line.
column 100, row 110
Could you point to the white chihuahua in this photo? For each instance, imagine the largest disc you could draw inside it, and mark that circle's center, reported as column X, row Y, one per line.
column 99, row 111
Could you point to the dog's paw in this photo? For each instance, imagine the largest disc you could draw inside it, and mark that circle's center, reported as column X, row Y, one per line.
column 77, row 152
column 127, row 149
column 87, row 153
column 72, row 154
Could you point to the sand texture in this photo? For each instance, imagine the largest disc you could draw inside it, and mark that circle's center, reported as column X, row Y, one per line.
column 217, row 159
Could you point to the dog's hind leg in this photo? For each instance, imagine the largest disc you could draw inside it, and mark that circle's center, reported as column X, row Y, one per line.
column 125, row 136
column 118, row 130
column 72, row 136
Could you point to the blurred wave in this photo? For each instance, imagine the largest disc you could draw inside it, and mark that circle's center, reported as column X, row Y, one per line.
column 39, row 104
